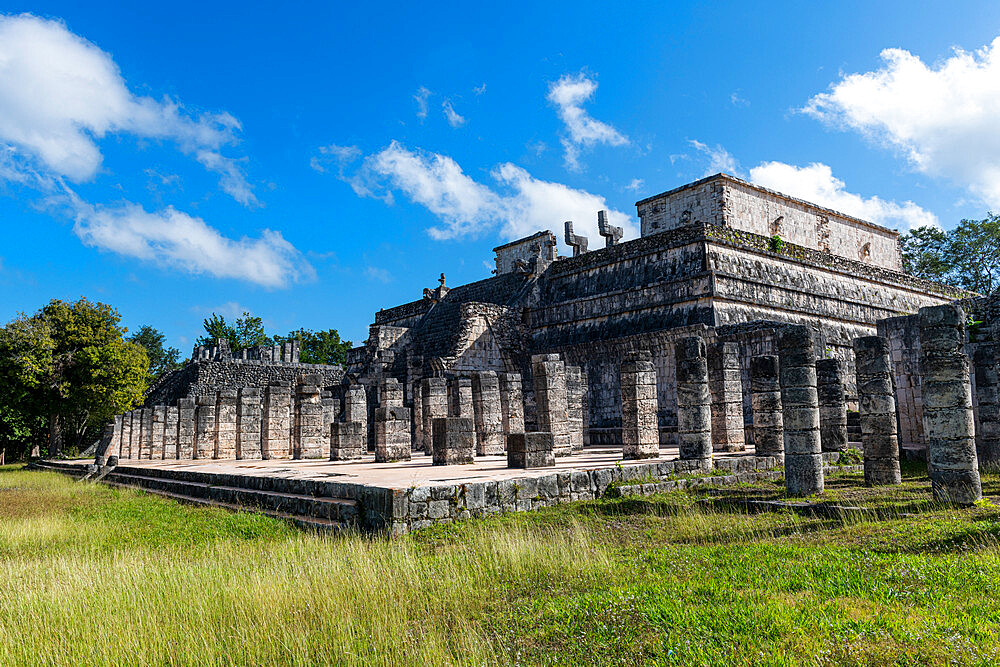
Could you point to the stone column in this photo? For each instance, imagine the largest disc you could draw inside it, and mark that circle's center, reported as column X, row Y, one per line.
column 947, row 399
column 345, row 441
column 694, row 402
column 434, row 395
column 331, row 409
column 489, row 423
column 768, row 433
column 418, row 417
column 530, row 450
column 116, row 439
column 511, row 403
column 725, row 383
column 640, row 430
column 170, row 422
column 156, row 432
column 832, row 405
column 275, row 439
column 877, row 406
column 225, row 424
column 574, row 406
column 204, row 432
column 988, row 400
column 800, row 408
column 248, row 424
column 454, row 440
column 550, row 400
column 126, row 449
column 308, row 440
column 390, row 393
column 461, row 403
column 146, row 435
column 185, row 428
column 392, row 434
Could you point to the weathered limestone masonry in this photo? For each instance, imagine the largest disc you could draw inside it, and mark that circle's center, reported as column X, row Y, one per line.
column 225, row 424
column 832, row 405
column 550, row 400
column 248, row 420
column 575, row 390
column 725, row 383
column 530, row 450
column 346, row 442
column 489, row 423
column 356, row 409
column 116, row 447
column 434, row 396
column 947, row 400
column 204, row 433
column 331, row 410
column 694, row 402
column 417, row 431
column 156, row 433
column 146, row 435
column 308, row 441
column 988, row 402
column 640, row 433
column 511, row 403
column 454, row 440
column 126, row 448
column 768, row 430
column 392, row 424
column 185, row 428
column 462, row 404
column 276, row 427
column 800, row 411
column 877, row 406
column 170, row 427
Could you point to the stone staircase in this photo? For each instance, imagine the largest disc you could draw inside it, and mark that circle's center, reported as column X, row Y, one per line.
column 306, row 503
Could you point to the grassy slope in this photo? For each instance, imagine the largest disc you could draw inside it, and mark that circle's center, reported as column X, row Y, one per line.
column 98, row 575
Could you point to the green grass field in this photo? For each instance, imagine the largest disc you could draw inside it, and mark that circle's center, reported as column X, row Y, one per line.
column 94, row 575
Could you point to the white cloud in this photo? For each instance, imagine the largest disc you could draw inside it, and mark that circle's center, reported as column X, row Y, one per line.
column 454, row 118
column 522, row 205
column 719, row 159
column 479, row 90
column 636, row 185
column 944, row 118
column 421, row 99
column 738, row 100
column 816, row 183
column 378, row 274
column 568, row 94
column 60, row 94
column 174, row 239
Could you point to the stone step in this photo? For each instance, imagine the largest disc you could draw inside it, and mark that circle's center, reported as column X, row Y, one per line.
column 338, row 510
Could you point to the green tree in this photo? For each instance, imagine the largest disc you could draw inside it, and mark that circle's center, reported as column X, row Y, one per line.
column 967, row 256
column 161, row 358
column 925, row 253
column 246, row 331
column 318, row 347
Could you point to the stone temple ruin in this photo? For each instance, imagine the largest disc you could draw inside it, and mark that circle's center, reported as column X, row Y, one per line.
column 744, row 330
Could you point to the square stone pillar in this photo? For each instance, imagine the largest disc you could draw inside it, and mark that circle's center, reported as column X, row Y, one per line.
column 170, row 421
column 461, row 401
column 390, row 393
column 530, row 450
column 126, row 448
column 511, row 403
column 345, row 441
column 276, row 440
column 549, row 374
column 800, row 408
column 832, row 405
column 694, row 401
column 225, row 424
column 392, row 434
column 418, row 417
column 454, row 440
column 146, row 434
column 331, row 409
column 116, row 439
column 765, row 394
column 574, row 406
column 640, row 430
column 185, row 428
column 156, row 432
column 877, row 407
column 308, row 440
column 356, row 409
column 248, row 423
column 725, row 383
column 489, row 425
column 988, row 399
column 434, row 396
column 947, row 399
column 204, row 431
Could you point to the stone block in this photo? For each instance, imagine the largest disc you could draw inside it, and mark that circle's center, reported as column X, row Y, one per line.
column 453, row 441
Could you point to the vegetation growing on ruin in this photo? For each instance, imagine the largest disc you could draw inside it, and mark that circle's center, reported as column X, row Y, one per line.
column 99, row 575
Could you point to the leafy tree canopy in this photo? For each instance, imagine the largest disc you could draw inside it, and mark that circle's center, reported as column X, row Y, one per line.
column 161, row 358
column 967, row 256
column 318, row 347
column 246, row 331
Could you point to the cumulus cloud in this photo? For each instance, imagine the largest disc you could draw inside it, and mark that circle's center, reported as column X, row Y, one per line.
column 719, row 159
column 816, row 183
column 173, row 239
column 60, row 94
column 454, row 118
column 568, row 95
column 421, row 99
column 636, row 185
column 518, row 205
column 944, row 118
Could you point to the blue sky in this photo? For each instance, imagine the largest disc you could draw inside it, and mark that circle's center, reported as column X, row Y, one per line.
column 313, row 163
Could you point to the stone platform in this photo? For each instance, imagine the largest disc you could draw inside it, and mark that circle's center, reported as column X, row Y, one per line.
column 397, row 497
